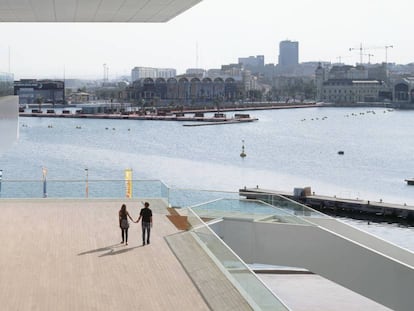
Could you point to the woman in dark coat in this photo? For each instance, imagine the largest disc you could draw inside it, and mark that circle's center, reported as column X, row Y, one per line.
column 123, row 223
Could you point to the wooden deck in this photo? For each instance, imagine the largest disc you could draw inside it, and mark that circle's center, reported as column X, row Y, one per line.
column 65, row 255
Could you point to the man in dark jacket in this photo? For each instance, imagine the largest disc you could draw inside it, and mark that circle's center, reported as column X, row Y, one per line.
column 146, row 223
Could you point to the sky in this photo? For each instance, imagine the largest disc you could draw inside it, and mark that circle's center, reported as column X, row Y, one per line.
column 212, row 33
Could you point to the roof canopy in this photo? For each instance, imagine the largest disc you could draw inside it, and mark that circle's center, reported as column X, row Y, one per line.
column 130, row 11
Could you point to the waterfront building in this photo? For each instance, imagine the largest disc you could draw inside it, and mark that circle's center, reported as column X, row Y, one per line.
column 148, row 72
column 349, row 84
column 403, row 90
column 48, row 91
column 186, row 89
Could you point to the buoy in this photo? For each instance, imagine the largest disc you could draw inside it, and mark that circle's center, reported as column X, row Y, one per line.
column 243, row 154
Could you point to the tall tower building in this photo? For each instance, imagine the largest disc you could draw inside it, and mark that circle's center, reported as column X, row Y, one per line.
column 288, row 53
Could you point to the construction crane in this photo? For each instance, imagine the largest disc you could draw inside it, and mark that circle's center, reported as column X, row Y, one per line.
column 369, row 57
column 385, row 47
column 361, row 52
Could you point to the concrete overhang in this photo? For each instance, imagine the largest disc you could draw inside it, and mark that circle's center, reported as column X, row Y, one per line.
column 122, row 11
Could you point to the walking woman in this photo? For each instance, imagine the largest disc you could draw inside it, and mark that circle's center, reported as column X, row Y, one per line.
column 123, row 223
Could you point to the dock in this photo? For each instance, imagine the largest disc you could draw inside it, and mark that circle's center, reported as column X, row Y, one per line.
column 335, row 206
column 204, row 120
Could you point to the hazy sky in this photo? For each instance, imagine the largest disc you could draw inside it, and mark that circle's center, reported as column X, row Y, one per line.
column 223, row 30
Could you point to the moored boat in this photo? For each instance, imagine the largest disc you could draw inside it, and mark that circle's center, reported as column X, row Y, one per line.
column 410, row 181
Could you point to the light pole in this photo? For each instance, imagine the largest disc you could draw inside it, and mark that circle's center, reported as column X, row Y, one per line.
column 44, row 175
column 87, row 183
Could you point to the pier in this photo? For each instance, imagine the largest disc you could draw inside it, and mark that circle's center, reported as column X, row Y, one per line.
column 221, row 119
column 353, row 208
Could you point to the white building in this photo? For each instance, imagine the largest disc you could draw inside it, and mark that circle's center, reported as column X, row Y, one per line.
column 149, row 72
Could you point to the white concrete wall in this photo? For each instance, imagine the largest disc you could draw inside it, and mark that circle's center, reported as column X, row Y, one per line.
column 9, row 129
column 366, row 239
column 343, row 261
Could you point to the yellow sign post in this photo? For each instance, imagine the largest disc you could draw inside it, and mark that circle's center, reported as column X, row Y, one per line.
column 128, row 183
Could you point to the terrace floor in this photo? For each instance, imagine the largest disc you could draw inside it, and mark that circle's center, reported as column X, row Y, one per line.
column 66, row 255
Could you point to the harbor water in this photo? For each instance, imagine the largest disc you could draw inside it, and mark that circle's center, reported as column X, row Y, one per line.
column 285, row 149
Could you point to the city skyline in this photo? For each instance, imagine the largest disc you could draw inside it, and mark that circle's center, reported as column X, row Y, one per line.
column 210, row 34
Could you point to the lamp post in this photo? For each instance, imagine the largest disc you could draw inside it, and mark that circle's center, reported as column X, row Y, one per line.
column 87, row 183
column 44, row 174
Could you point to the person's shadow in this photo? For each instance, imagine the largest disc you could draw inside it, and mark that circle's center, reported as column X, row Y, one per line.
column 110, row 250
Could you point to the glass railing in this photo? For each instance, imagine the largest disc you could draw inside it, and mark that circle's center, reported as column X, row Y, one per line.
column 82, row 189
column 256, row 293
column 190, row 197
column 288, row 205
column 245, row 208
column 275, row 207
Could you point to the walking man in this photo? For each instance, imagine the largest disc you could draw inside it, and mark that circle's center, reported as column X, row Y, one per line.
column 146, row 222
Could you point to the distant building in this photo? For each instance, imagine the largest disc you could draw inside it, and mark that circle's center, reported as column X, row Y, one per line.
column 148, row 72
column 378, row 72
column 79, row 97
column 214, row 73
column 6, row 84
column 255, row 64
column 349, row 84
column 234, row 70
column 288, row 54
column 195, row 72
column 49, row 91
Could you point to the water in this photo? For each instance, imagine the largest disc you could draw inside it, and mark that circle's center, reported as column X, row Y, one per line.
column 285, row 149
